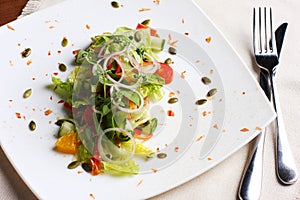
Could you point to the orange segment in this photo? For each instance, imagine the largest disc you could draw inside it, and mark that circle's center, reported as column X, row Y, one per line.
column 67, row 143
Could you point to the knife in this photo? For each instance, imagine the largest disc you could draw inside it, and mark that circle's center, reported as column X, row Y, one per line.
column 263, row 77
column 214, row 135
column 250, row 186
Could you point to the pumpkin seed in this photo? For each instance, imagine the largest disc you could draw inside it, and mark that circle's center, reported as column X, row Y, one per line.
column 151, row 155
column 87, row 167
column 64, row 42
column 173, row 100
column 27, row 93
column 32, row 125
column 115, row 4
column 201, row 102
column 137, row 36
column 146, row 22
column 172, row 50
column 26, row 53
column 211, row 92
column 168, row 61
column 206, row 80
column 145, row 124
column 62, row 67
column 59, row 122
column 109, row 156
column 73, row 164
column 161, row 155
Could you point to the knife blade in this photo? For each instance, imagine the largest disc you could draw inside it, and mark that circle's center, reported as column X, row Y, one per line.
column 263, row 77
column 279, row 36
column 214, row 135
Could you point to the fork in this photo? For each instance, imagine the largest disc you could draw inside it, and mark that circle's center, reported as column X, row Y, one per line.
column 267, row 59
column 250, row 186
column 265, row 51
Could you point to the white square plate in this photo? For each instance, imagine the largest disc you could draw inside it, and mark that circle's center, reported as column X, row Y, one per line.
column 234, row 116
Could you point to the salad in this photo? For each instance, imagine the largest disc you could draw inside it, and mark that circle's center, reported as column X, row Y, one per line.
column 109, row 94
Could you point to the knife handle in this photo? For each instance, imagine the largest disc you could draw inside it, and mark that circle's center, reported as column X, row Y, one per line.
column 250, row 186
column 285, row 164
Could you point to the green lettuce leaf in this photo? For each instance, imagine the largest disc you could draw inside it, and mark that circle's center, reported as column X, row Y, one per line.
column 141, row 150
column 126, row 168
column 155, row 92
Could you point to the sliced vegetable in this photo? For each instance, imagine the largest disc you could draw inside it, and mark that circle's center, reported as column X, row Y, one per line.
column 65, row 128
column 67, row 143
column 153, row 32
column 166, row 72
column 157, row 44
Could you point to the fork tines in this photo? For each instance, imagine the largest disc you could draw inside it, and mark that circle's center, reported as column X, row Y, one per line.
column 263, row 39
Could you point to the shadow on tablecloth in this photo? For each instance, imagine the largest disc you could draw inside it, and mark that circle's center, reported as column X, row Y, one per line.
column 11, row 182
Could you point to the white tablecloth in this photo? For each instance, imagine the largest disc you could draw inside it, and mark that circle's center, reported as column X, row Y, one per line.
column 234, row 19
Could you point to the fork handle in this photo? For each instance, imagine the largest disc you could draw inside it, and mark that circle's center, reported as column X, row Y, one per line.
column 250, row 186
column 285, row 164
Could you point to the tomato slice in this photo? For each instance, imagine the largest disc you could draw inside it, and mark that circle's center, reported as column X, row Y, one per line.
column 166, row 72
column 153, row 32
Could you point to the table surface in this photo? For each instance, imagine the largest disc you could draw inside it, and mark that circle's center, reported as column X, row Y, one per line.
column 234, row 20
column 10, row 10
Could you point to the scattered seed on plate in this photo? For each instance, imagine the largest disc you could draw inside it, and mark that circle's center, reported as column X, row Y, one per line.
column 201, row 102
column 140, row 182
column 151, row 155
column 244, row 130
column 26, row 52
column 18, row 115
column 208, row 39
column 92, row 196
column 161, row 155
column 87, row 26
column 48, row 112
column 172, row 50
column 28, row 62
column 154, row 170
column 73, row 164
column 170, row 113
column 173, row 100
column 168, row 61
column 87, row 167
column 211, row 92
column 32, row 125
column 146, row 22
column 10, row 27
column 62, row 67
column 137, row 36
column 115, row 4
column 64, row 42
column 27, row 93
column 205, row 80
column 144, row 9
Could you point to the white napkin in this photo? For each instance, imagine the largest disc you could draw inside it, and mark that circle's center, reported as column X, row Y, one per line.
column 31, row 6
